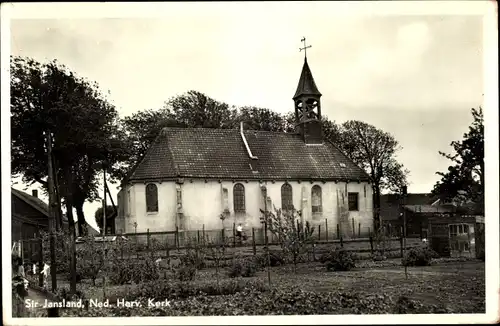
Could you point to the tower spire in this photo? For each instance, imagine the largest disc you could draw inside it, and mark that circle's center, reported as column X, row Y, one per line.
column 308, row 105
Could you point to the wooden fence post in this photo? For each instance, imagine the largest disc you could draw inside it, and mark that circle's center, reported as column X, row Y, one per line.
column 253, row 242
column 401, row 242
column 198, row 236
column 204, row 238
column 177, row 241
column 359, row 230
column 326, row 228
column 338, row 231
column 371, row 244
column 341, row 242
column 319, row 232
column 234, row 235
column 147, row 239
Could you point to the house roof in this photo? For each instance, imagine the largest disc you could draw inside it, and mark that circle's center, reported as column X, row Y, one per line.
column 410, row 199
column 222, row 154
column 430, row 208
column 34, row 202
column 306, row 85
column 390, row 203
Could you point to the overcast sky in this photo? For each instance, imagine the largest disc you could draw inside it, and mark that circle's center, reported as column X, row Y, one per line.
column 414, row 76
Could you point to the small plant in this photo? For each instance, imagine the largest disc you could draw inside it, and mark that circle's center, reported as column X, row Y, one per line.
column 185, row 273
column 419, row 257
column 294, row 235
column 276, row 258
column 90, row 259
column 340, row 260
column 195, row 258
column 244, row 267
column 378, row 257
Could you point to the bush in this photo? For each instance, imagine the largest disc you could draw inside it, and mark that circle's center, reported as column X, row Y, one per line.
column 185, row 273
column 276, row 258
column 194, row 258
column 125, row 271
column 378, row 257
column 340, row 260
column 419, row 257
column 244, row 267
column 119, row 272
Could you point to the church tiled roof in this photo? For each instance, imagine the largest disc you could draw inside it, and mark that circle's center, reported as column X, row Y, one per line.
column 306, row 85
column 221, row 154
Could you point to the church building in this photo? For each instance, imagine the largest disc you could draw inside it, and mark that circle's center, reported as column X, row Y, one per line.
column 189, row 177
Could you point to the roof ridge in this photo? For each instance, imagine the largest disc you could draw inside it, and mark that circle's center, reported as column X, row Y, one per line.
column 165, row 129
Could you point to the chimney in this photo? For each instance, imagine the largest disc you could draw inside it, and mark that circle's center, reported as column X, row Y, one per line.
column 34, row 193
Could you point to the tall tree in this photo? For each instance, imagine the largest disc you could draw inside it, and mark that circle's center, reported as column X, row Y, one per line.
column 50, row 99
column 110, row 212
column 142, row 128
column 195, row 109
column 256, row 118
column 83, row 123
column 375, row 151
column 464, row 179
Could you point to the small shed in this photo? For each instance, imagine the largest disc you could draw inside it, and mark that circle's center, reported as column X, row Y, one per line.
column 457, row 235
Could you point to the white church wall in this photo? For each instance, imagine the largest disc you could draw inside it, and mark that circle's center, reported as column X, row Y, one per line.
column 203, row 202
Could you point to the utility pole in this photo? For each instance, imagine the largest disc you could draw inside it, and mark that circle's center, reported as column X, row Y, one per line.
column 404, row 229
column 52, row 208
column 104, row 226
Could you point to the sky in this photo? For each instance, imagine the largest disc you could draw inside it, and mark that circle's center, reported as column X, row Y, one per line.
column 414, row 75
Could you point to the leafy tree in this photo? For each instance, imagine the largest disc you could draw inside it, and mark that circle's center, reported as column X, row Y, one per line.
column 256, row 118
column 143, row 127
column 195, row 109
column 375, row 151
column 464, row 180
column 83, row 125
column 49, row 99
column 110, row 214
column 294, row 235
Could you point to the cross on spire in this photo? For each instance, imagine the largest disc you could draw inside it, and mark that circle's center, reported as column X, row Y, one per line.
column 305, row 47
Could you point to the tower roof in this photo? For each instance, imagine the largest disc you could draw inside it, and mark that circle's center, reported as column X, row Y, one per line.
column 306, row 86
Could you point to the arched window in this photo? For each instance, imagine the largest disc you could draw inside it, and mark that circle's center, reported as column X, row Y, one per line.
column 316, row 202
column 151, row 198
column 286, row 197
column 239, row 198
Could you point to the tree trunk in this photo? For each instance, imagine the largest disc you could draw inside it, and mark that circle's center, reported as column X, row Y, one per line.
column 376, row 206
column 82, row 223
column 72, row 246
column 72, row 234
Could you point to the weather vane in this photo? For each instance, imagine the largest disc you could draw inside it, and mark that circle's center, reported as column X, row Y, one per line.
column 305, row 47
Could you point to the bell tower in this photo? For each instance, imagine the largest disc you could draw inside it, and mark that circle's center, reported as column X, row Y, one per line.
column 308, row 105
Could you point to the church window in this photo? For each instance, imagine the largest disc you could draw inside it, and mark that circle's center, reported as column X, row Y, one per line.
column 286, row 197
column 353, row 201
column 239, row 198
column 316, row 199
column 151, row 198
